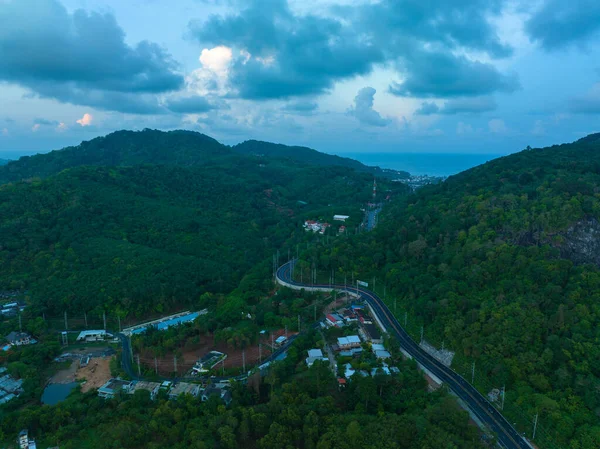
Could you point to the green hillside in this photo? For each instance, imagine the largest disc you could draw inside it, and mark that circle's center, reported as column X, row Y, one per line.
column 181, row 148
column 121, row 148
column 4, row 161
column 309, row 156
column 500, row 263
column 150, row 238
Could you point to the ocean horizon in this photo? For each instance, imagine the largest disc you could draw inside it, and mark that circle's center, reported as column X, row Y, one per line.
column 432, row 164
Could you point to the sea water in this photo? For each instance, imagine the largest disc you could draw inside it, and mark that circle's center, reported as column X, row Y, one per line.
column 433, row 164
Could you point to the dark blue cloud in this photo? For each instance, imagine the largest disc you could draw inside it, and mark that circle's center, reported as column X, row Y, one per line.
column 440, row 74
column 475, row 105
column 189, row 105
column 281, row 54
column 289, row 55
column 45, row 122
column 363, row 108
column 130, row 103
column 427, row 108
column 561, row 23
column 301, row 107
column 60, row 55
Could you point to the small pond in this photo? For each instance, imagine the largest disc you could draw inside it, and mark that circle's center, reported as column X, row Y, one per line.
column 55, row 393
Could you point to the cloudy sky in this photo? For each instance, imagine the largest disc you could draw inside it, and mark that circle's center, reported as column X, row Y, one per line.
column 472, row 76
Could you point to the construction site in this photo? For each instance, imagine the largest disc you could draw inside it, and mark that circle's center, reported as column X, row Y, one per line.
column 236, row 358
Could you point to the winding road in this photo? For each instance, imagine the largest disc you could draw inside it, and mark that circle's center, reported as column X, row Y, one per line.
column 506, row 434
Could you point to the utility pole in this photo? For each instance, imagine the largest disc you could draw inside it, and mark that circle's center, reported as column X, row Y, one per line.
column 473, row 374
column 119, row 319
column 104, row 319
column 66, row 327
column 503, row 393
column 139, row 369
column 272, row 343
column 85, row 318
column 286, row 332
column 130, row 349
column 223, row 367
column 421, row 335
column 155, row 366
column 175, row 363
column 244, row 360
column 260, row 353
column 535, row 426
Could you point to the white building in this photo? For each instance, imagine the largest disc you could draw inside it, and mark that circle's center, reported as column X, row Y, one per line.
column 341, row 217
column 93, row 335
column 20, row 339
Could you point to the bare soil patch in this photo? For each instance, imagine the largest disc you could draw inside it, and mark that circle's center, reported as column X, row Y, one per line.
column 95, row 374
column 235, row 356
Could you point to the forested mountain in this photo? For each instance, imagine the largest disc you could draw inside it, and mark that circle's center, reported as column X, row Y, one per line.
column 122, row 148
column 501, row 264
column 308, row 156
column 181, row 148
column 149, row 237
column 4, row 161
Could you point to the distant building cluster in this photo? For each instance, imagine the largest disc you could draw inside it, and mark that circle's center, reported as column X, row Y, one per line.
column 355, row 314
column 316, row 226
column 417, row 181
column 173, row 390
column 321, row 227
column 364, row 347
column 10, row 388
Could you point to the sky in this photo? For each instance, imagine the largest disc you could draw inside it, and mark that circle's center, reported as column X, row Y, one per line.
column 340, row 76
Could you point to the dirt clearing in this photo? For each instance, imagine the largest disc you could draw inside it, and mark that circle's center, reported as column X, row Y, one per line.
column 95, row 374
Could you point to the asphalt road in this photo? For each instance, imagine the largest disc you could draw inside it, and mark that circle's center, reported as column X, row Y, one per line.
column 507, row 436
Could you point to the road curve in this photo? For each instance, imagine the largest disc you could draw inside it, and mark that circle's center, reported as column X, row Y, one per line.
column 507, row 436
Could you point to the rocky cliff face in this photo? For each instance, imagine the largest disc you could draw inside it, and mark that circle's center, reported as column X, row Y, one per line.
column 581, row 242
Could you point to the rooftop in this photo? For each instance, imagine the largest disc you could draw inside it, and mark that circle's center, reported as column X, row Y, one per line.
column 114, row 385
column 143, row 385
column 184, row 388
column 15, row 336
column 315, row 353
column 85, row 334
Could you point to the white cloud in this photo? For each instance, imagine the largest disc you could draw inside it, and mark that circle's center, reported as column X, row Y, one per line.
column 216, row 59
column 497, row 126
column 35, row 127
column 61, row 127
column 86, row 120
